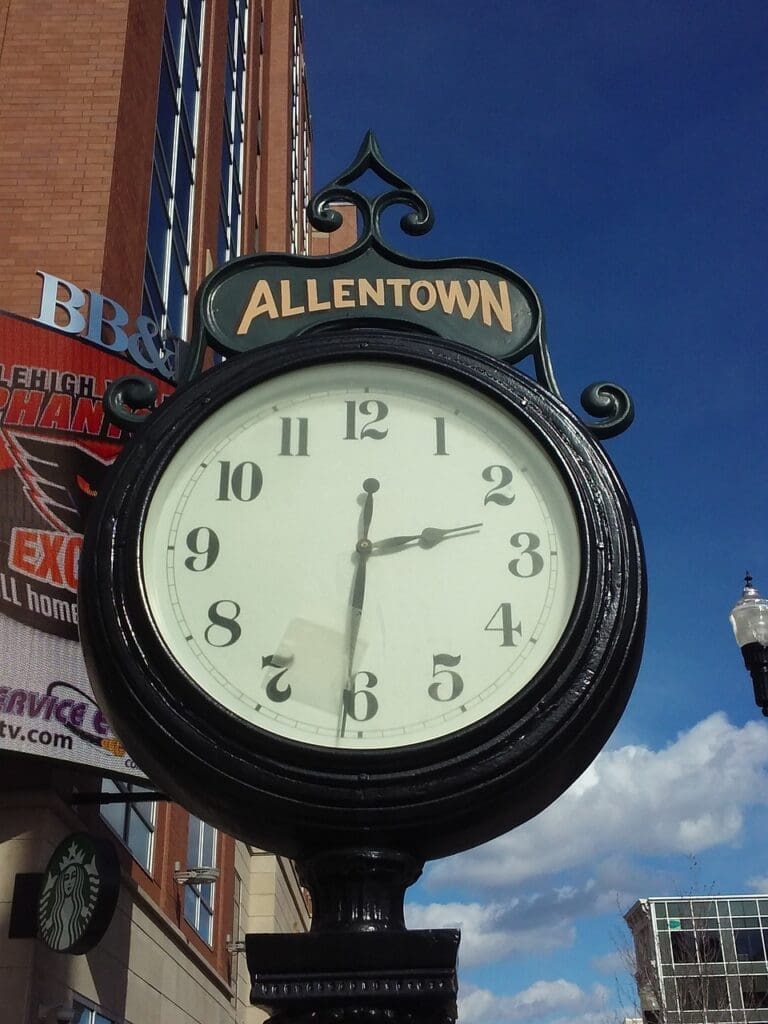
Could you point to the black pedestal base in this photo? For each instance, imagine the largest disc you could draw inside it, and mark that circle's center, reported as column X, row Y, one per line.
column 358, row 962
column 399, row 976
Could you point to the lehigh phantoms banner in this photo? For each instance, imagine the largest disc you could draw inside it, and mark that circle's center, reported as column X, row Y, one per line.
column 55, row 446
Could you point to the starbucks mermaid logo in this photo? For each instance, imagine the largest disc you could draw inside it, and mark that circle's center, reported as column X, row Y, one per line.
column 72, row 902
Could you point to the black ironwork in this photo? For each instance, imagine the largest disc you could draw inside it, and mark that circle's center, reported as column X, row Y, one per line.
column 128, row 400
column 608, row 403
column 322, row 216
column 519, row 333
column 358, row 962
column 145, row 796
column 756, row 660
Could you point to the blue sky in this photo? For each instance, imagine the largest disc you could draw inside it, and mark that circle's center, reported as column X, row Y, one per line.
column 615, row 155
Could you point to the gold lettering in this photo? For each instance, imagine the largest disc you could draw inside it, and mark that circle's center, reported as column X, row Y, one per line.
column 261, row 301
column 341, row 289
column 286, row 309
column 500, row 306
column 422, row 304
column 397, row 284
column 314, row 305
column 367, row 290
column 453, row 296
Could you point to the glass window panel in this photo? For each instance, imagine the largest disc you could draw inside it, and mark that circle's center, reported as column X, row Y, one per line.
column 763, row 905
column 209, row 853
column 190, row 905
column 221, row 243
column 754, row 991
column 157, row 228
column 136, row 832
column 683, row 947
column 183, row 197
column 138, row 838
column 206, row 924
column 710, row 949
column 153, row 300
column 101, row 1019
column 715, row 993
column 746, row 922
column 174, row 17
column 114, row 815
column 704, row 908
column 82, row 1014
column 237, row 145
column 743, row 908
column 194, row 12
column 749, row 944
column 167, row 111
column 175, row 127
column 189, row 85
column 690, row 994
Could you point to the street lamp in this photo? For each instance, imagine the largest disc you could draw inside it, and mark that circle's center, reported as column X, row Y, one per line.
column 749, row 619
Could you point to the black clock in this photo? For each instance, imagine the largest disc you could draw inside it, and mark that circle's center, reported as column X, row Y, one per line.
column 363, row 588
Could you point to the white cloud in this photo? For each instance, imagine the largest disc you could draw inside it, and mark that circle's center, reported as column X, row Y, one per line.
column 493, row 931
column 686, row 797
column 616, row 962
column 534, row 923
column 550, row 999
column 758, row 883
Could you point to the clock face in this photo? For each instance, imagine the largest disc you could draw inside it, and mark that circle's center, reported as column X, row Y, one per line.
column 361, row 555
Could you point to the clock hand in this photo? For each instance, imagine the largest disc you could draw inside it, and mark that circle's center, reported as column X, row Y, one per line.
column 428, row 537
column 362, row 551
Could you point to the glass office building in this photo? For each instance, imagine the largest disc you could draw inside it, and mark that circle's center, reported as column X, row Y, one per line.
column 701, row 960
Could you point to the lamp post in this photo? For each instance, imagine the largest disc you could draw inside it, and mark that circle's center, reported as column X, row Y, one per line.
column 749, row 619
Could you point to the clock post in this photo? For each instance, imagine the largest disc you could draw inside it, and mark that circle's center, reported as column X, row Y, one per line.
column 274, row 580
column 358, row 959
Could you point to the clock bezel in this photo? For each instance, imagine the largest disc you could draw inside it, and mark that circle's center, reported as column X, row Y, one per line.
column 429, row 798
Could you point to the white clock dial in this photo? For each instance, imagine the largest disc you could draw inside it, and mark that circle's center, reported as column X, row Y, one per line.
column 361, row 555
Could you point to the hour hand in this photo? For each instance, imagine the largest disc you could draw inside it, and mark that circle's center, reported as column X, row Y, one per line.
column 428, row 537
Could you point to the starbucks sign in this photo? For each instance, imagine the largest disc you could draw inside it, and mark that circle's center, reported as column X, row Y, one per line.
column 78, row 894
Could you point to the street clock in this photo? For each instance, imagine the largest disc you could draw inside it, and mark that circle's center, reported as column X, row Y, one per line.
column 371, row 588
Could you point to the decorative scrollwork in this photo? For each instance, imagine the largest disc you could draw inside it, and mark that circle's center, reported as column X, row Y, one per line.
column 611, row 405
column 322, row 217
column 125, row 396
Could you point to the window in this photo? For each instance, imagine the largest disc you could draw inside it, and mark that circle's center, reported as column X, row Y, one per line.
column 231, row 185
column 710, row 949
column 683, row 947
column 166, row 268
column 299, row 168
column 198, row 899
column 754, row 991
column 702, row 993
column 134, row 822
column 749, row 944
column 87, row 1015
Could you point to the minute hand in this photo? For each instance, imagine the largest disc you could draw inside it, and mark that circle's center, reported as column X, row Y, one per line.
column 426, row 539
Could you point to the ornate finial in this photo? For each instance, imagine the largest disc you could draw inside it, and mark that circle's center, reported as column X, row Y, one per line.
column 418, row 222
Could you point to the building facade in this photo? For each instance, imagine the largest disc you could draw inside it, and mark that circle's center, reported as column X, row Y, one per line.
column 701, row 959
column 142, row 144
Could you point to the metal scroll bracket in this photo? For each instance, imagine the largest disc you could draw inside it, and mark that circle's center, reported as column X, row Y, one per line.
column 261, row 298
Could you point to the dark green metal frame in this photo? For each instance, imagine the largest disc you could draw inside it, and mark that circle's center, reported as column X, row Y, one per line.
column 129, row 398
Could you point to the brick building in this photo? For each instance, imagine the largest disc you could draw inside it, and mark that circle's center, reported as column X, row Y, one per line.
column 142, row 144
